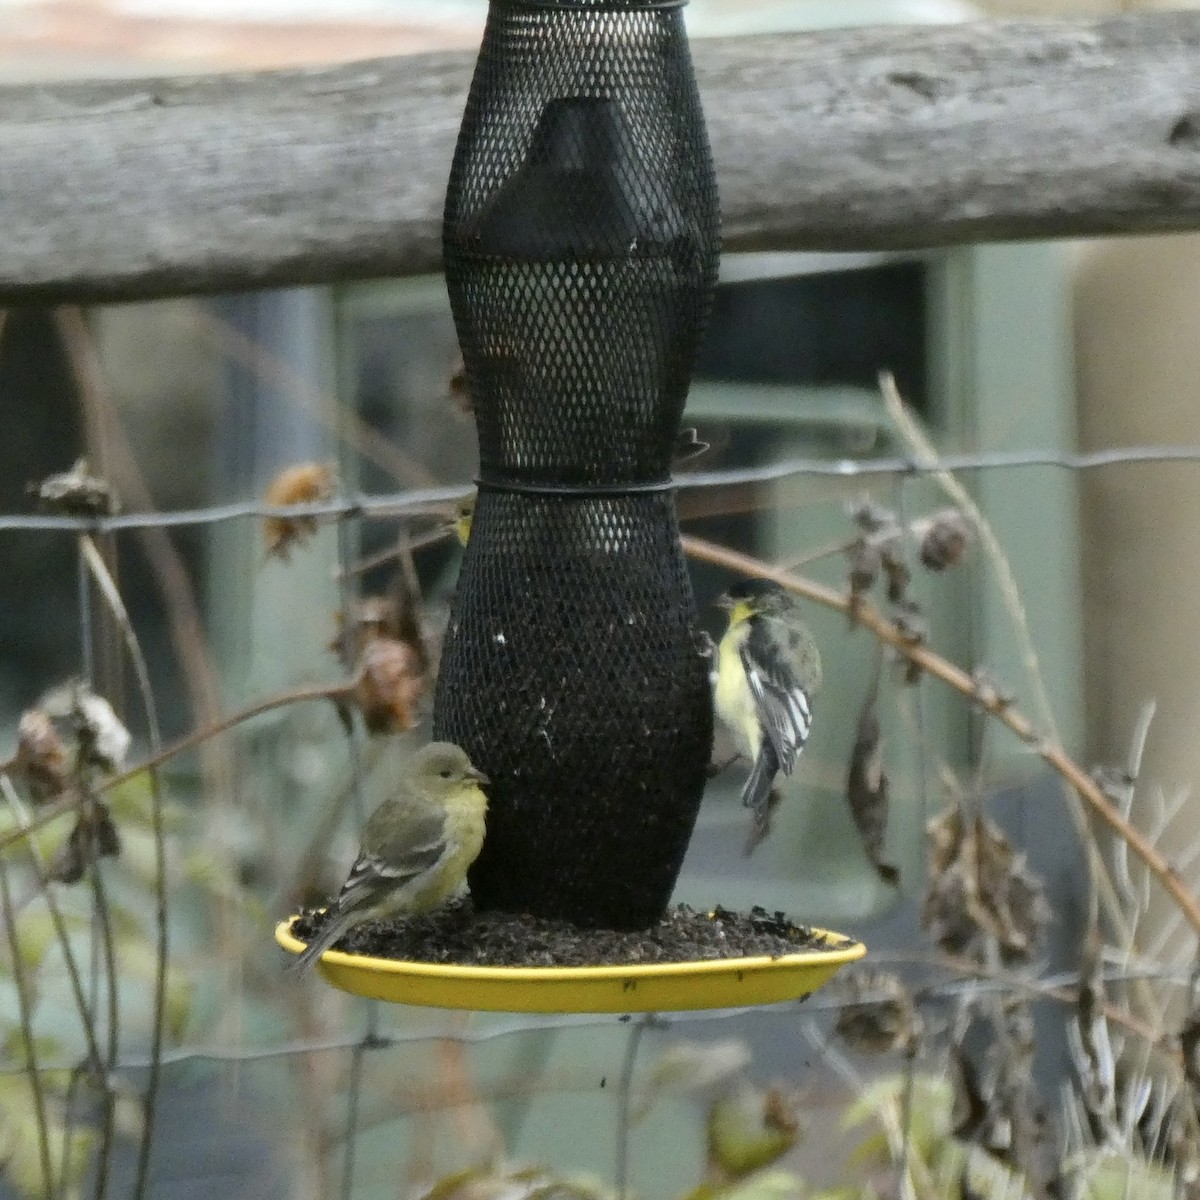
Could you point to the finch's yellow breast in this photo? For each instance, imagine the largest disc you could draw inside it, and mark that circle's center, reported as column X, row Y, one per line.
column 465, row 813
column 733, row 698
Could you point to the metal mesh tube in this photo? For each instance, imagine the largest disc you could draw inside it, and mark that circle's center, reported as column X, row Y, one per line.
column 581, row 239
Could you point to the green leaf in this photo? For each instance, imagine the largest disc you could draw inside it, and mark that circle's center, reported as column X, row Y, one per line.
column 749, row 1128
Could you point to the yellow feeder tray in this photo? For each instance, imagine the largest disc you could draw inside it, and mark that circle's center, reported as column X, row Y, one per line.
column 663, row 987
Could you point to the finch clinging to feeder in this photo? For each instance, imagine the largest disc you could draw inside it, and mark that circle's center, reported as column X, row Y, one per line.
column 768, row 672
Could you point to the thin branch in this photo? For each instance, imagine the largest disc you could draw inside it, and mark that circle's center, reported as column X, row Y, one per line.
column 624, row 1100
column 867, row 616
column 25, row 1014
column 60, row 929
column 116, row 605
column 103, row 924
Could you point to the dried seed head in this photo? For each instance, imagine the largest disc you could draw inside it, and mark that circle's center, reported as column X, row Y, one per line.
column 41, row 758
column 304, row 483
column 880, row 1016
column 870, row 517
column 372, row 616
column 945, row 538
column 94, row 836
column 390, row 685
column 981, row 888
column 75, row 493
column 867, row 789
column 897, row 572
column 865, row 564
column 911, row 623
column 103, row 740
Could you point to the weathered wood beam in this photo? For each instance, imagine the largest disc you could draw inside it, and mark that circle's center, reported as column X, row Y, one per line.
column 845, row 139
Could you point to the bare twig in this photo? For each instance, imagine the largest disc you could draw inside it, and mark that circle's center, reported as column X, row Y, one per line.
column 60, row 931
column 25, row 1014
column 624, row 1102
column 103, row 945
column 116, row 605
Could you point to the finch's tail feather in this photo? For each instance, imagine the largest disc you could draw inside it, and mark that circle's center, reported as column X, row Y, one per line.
column 762, row 776
column 334, row 928
column 760, row 824
column 759, row 794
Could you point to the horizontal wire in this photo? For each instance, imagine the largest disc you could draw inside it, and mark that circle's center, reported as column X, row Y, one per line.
column 404, row 503
column 827, row 1002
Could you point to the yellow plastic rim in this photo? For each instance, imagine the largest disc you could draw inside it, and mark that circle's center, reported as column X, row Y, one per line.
column 666, row 987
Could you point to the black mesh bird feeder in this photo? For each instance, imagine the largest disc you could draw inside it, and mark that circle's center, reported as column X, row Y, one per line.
column 581, row 254
column 581, row 247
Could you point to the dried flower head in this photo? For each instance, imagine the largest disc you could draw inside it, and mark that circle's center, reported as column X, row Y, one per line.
column 75, row 493
column 103, row 741
column 371, row 617
column 980, row 887
column 872, row 518
column 880, row 1016
column 896, row 570
column 41, row 758
column 389, row 685
column 94, row 836
column 304, row 483
column 865, row 564
column 867, row 789
column 944, row 539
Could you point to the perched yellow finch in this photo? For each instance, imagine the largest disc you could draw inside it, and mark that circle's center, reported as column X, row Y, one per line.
column 768, row 672
column 416, row 846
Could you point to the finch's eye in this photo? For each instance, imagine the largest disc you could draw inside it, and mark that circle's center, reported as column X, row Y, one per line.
column 446, row 773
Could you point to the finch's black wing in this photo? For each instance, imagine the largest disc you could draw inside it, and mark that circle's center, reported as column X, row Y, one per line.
column 415, row 843
column 784, row 707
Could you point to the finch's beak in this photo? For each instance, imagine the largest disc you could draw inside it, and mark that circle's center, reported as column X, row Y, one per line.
column 725, row 601
column 476, row 774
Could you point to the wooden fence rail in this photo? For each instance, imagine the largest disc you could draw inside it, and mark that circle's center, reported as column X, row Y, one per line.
column 845, row 139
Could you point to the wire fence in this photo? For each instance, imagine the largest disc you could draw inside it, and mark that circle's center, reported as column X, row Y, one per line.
column 424, row 501
column 374, row 1034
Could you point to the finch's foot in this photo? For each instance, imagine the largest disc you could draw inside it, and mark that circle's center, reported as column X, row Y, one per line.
column 715, row 767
